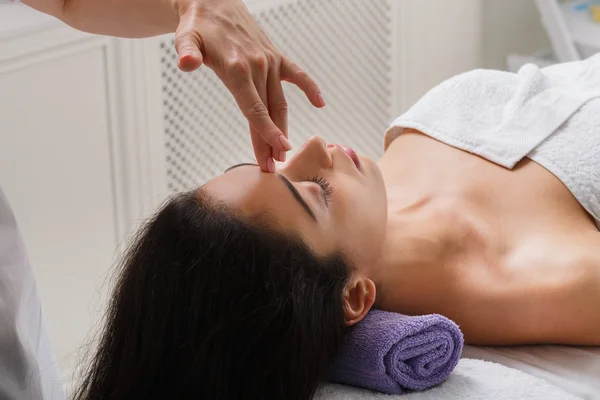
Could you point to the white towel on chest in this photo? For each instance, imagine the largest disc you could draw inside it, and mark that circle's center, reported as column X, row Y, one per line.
column 470, row 380
column 550, row 115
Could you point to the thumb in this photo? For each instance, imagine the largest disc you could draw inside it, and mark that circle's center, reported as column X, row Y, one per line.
column 188, row 45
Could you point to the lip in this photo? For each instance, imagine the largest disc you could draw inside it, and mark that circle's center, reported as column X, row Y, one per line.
column 352, row 154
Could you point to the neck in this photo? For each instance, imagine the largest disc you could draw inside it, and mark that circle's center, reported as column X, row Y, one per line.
column 427, row 238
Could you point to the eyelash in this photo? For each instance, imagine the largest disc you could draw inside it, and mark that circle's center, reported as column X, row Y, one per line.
column 326, row 187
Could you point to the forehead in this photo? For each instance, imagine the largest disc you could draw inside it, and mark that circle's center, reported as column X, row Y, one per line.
column 254, row 192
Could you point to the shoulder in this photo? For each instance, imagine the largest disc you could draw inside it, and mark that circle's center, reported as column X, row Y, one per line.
column 567, row 308
column 553, row 299
column 573, row 315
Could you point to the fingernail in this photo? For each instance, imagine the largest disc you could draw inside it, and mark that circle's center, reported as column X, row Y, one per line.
column 282, row 156
column 270, row 165
column 321, row 100
column 284, row 142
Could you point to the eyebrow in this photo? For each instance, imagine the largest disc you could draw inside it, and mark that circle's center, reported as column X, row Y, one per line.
column 298, row 198
column 240, row 165
column 289, row 185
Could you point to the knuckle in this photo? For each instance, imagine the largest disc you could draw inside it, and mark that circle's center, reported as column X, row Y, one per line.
column 260, row 61
column 303, row 75
column 280, row 106
column 239, row 65
column 273, row 57
column 186, row 48
column 184, row 38
column 258, row 109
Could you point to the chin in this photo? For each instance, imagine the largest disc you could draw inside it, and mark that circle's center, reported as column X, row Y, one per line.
column 366, row 160
column 370, row 168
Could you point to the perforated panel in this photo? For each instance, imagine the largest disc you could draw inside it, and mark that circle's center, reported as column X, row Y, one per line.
column 344, row 45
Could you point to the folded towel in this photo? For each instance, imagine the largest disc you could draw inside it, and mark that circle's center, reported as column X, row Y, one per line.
column 550, row 115
column 390, row 352
column 470, row 380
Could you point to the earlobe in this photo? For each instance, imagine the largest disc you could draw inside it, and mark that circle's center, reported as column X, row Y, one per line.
column 358, row 299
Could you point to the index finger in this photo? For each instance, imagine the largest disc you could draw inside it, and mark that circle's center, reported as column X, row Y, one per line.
column 258, row 116
column 278, row 107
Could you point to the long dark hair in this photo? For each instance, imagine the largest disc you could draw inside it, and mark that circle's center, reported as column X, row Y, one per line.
column 211, row 305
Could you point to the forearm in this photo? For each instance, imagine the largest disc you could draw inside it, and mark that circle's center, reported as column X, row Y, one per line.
column 123, row 18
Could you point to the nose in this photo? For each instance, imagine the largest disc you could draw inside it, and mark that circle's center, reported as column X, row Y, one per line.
column 316, row 150
column 314, row 153
column 316, row 140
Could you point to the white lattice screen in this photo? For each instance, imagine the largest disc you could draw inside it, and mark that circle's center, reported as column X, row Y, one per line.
column 345, row 45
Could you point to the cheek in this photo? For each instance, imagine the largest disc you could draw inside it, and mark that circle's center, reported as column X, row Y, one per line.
column 362, row 250
column 363, row 231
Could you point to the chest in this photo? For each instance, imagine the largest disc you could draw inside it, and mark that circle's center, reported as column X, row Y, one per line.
column 461, row 226
column 513, row 201
column 455, row 264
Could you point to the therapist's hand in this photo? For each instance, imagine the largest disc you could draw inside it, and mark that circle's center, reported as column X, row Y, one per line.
column 219, row 33
column 223, row 35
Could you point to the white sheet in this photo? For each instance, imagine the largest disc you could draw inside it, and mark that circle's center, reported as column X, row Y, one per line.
column 471, row 380
column 574, row 369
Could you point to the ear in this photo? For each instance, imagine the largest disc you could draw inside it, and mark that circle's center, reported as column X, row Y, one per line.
column 359, row 297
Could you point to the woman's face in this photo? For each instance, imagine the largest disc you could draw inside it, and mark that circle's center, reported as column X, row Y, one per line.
column 333, row 198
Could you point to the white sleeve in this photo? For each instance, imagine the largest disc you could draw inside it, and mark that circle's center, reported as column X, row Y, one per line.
column 28, row 369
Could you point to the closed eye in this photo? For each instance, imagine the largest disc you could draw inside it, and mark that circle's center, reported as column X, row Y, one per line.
column 326, row 188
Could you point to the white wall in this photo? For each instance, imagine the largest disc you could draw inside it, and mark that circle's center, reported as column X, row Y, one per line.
column 510, row 26
column 440, row 39
column 450, row 37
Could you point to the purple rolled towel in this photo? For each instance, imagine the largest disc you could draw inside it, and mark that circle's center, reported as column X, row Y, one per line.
column 391, row 353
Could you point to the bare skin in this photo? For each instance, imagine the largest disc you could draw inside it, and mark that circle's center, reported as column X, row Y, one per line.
column 510, row 255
